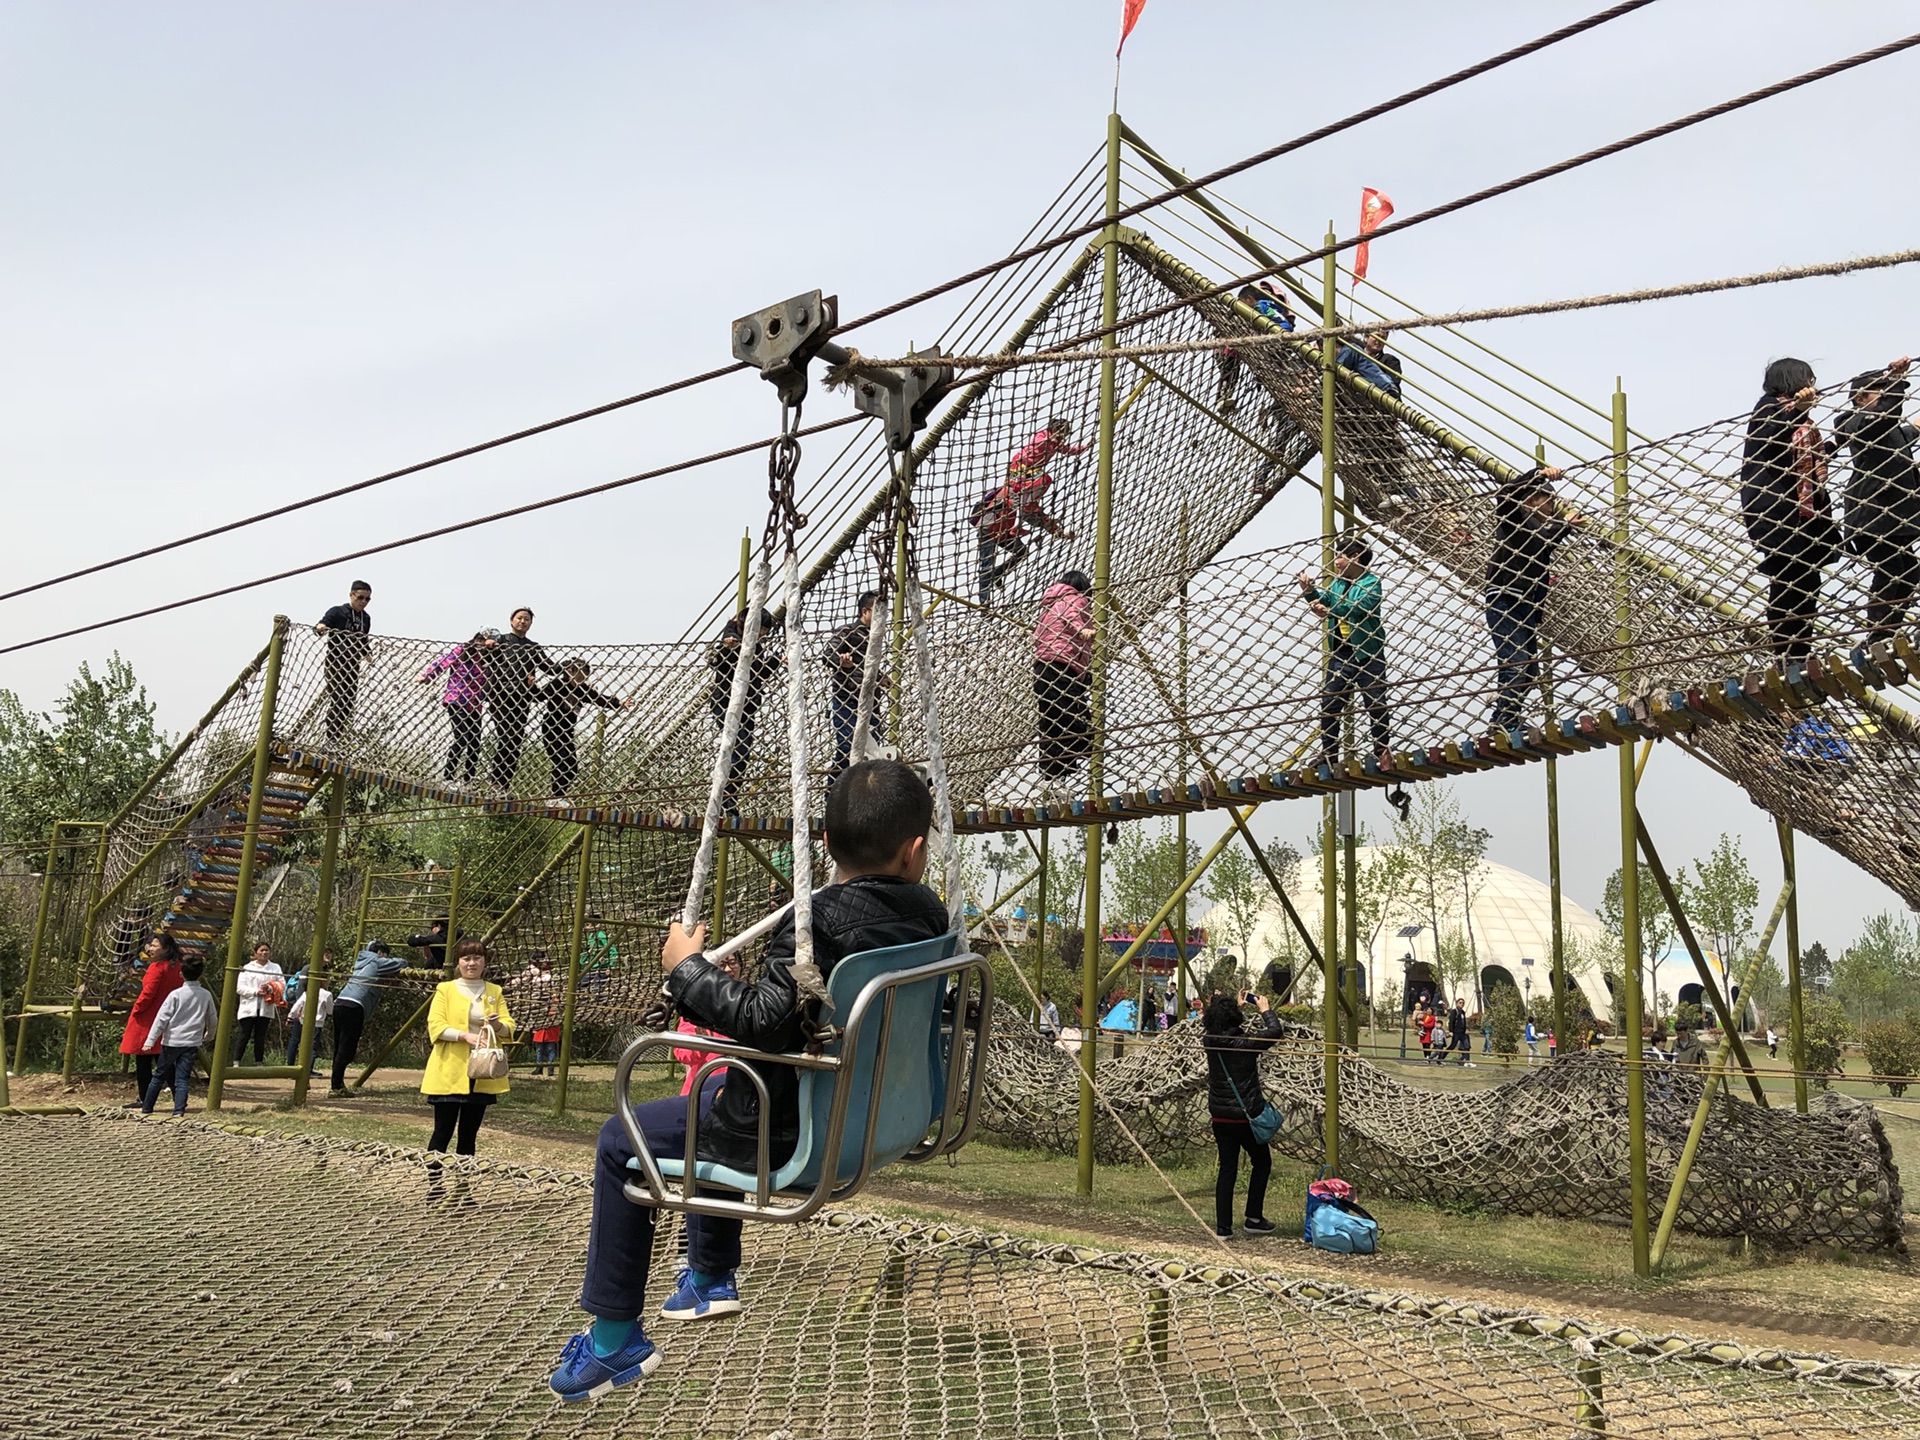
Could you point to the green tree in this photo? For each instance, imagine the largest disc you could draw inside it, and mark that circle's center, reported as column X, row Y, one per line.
column 1879, row 974
column 1239, row 894
column 1827, row 1033
column 1816, row 966
column 1144, row 870
column 1441, row 864
column 1892, row 1048
column 1457, row 962
column 1656, row 927
column 1509, row 1021
column 1719, row 894
column 82, row 761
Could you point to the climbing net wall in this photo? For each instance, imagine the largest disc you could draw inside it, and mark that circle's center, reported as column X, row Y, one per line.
column 1550, row 1141
column 855, row 1326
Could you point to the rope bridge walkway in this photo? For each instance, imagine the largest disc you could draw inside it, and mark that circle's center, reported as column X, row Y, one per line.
column 375, row 1314
column 1550, row 1141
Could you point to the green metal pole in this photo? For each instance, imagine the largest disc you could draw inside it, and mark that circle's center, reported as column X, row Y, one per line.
column 576, row 937
column 249, row 848
column 1670, row 1212
column 453, row 916
column 1554, row 892
column 1040, row 930
column 80, row 957
column 360, row 918
column 1175, row 900
column 1797, row 1032
column 1329, row 844
column 1181, row 918
column 39, row 938
column 1097, row 688
column 322, row 913
column 1629, row 865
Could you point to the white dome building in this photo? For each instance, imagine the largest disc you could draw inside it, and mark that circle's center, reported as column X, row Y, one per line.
column 1511, row 925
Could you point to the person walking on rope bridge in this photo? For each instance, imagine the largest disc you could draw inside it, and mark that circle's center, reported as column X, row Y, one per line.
column 356, row 1003
column 514, row 665
column 565, row 698
column 544, row 1007
column 469, row 1024
column 1266, row 301
column 1372, row 446
column 463, row 697
column 1529, row 525
column 1062, row 662
column 185, row 1022
column 877, row 817
column 1356, row 648
column 721, row 660
column 1002, row 516
column 846, row 666
column 689, row 1056
column 159, row 980
column 1234, row 1100
column 1373, row 362
column 261, row 987
column 348, row 648
column 1883, row 494
column 297, row 1009
column 1785, row 506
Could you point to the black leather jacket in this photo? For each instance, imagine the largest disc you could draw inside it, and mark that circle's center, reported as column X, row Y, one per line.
column 868, row 912
column 1233, row 1070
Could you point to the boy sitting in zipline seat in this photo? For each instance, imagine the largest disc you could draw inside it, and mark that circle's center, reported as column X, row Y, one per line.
column 877, row 817
column 1002, row 515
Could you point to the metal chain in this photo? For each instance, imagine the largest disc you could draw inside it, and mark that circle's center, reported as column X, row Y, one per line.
column 785, row 520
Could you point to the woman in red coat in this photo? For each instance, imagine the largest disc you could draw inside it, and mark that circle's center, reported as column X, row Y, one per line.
column 161, row 979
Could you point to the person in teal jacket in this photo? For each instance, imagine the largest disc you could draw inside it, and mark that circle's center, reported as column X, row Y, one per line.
column 1356, row 647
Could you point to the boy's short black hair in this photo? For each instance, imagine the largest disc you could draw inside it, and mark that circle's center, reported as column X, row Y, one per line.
column 192, row 969
column 873, row 809
column 379, row 947
column 867, row 597
column 359, row 585
column 1356, row 547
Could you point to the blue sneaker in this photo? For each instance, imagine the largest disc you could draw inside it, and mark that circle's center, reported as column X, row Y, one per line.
column 702, row 1302
column 581, row 1374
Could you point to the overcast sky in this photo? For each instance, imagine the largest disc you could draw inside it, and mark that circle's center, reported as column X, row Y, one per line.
column 251, row 252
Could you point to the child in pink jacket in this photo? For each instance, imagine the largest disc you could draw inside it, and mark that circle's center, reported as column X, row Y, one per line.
column 1062, row 657
column 462, row 699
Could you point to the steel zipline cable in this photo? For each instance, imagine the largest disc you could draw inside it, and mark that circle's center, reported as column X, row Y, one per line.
column 731, row 452
column 982, row 272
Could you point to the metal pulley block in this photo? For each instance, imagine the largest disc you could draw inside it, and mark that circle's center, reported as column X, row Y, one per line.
column 781, row 339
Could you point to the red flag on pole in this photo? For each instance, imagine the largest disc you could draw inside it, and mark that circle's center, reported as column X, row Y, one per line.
column 1374, row 208
column 1129, row 15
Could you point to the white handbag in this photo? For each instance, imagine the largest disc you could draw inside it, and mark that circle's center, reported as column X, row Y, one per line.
column 488, row 1061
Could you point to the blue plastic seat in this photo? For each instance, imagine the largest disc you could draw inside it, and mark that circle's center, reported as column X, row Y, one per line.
column 894, row 1093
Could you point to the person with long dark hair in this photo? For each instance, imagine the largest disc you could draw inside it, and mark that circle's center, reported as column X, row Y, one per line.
column 1233, row 1099
column 1785, row 506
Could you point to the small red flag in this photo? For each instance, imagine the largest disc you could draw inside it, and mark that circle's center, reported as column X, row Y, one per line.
column 1129, row 15
column 1374, row 208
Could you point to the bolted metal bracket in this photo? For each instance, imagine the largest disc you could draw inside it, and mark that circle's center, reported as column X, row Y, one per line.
column 781, row 339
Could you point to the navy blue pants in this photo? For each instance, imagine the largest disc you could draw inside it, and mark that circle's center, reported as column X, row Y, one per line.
column 1513, row 623
column 175, row 1068
column 620, row 1242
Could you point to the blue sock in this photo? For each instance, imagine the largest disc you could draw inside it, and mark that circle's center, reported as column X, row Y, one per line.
column 702, row 1277
column 610, row 1335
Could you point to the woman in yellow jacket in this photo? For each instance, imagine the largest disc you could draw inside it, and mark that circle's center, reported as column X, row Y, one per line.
column 457, row 1021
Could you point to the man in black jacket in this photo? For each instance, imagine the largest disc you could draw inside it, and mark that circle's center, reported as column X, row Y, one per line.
column 1883, row 495
column 348, row 648
column 1528, row 526
column 878, row 814
column 513, row 666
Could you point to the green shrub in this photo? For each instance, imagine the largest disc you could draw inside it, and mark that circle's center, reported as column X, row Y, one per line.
column 1893, row 1048
column 1827, row 1032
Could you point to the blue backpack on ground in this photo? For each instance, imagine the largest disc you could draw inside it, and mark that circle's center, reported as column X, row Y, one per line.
column 1334, row 1221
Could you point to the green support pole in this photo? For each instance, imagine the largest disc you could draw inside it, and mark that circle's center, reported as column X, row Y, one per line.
column 1040, row 930
column 1174, row 901
column 1329, row 863
column 322, row 913
column 1351, row 934
column 249, row 849
column 1097, row 689
column 1629, row 865
column 453, row 917
column 1709, row 1079
column 39, row 939
column 576, row 937
column 80, row 958
column 1796, row 1027
column 1181, row 917
column 360, row 916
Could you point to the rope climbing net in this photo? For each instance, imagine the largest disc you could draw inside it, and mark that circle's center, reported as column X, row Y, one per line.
column 856, row 1325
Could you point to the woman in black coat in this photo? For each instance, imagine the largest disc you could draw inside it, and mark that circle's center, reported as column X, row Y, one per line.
column 1785, row 506
column 1883, row 497
column 1233, row 1099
